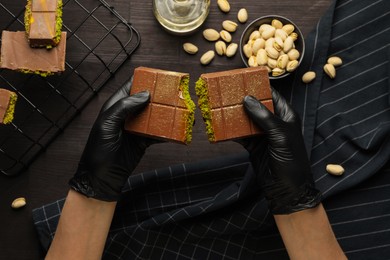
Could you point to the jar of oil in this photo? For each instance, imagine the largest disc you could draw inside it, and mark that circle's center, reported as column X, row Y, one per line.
column 181, row 17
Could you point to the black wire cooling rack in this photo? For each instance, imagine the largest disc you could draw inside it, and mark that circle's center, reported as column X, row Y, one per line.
column 46, row 106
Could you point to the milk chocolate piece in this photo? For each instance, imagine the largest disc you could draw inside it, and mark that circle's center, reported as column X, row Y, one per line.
column 221, row 97
column 7, row 106
column 43, row 22
column 16, row 54
column 170, row 113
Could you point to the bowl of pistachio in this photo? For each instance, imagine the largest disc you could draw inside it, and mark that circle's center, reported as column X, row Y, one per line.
column 274, row 42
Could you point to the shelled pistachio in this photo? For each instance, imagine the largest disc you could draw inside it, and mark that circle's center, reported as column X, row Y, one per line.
column 335, row 169
column 273, row 45
column 207, row 57
column 242, row 15
column 224, row 5
column 308, row 77
column 190, row 48
column 18, row 203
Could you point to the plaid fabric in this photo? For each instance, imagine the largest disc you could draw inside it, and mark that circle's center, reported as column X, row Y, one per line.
column 213, row 209
column 172, row 214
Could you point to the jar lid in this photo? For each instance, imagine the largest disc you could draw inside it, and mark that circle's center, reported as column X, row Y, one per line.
column 181, row 17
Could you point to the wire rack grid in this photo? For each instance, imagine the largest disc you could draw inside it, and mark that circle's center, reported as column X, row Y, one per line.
column 99, row 41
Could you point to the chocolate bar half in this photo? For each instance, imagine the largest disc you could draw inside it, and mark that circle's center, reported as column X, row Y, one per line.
column 16, row 54
column 220, row 99
column 43, row 22
column 170, row 113
column 7, row 105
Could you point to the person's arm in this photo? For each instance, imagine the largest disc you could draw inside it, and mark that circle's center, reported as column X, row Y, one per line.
column 109, row 157
column 284, row 174
column 307, row 234
column 83, row 227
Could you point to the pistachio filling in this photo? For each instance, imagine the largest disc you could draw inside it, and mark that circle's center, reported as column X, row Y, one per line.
column 204, row 106
column 38, row 72
column 190, row 106
column 9, row 113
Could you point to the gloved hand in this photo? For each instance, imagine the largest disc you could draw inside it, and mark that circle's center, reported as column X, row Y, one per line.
column 111, row 153
column 288, row 183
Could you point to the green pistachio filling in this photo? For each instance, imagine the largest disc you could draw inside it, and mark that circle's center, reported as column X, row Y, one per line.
column 190, row 106
column 27, row 16
column 204, row 106
column 9, row 114
column 57, row 38
column 38, row 72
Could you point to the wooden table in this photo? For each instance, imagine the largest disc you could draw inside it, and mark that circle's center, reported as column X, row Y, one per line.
column 47, row 177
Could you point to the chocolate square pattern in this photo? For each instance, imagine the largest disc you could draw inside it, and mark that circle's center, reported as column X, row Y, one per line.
column 220, row 100
column 170, row 113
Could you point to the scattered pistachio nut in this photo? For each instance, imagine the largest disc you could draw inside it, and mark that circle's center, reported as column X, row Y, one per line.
column 330, row 70
column 229, row 26
column 207, row 57
column 211, row 35
column 190, row 48
column 231, row 49
column 223, row 5
column 242, row 15
column 335, row 61
column 220, row 48
column 18, row 203
column 335, row 169
column 226, row 36
column 308, row 77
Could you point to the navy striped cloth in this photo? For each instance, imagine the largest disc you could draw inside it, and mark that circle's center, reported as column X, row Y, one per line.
column 214, row 210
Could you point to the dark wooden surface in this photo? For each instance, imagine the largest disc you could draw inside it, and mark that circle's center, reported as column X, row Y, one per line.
column 47, row 177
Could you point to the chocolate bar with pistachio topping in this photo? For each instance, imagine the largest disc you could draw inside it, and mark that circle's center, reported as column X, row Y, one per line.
column 43, row 22
column 220, row 99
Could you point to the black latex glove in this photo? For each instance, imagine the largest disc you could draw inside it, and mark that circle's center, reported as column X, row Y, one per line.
column 288, row 183
column 111, row 153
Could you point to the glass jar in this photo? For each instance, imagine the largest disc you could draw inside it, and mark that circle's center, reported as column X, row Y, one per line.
column 181, row 17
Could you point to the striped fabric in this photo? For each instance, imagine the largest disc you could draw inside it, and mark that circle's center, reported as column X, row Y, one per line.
column 214, row 210
column 346, row 120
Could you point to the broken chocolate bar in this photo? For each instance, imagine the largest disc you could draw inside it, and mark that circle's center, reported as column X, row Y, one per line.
column 7, row 106
column 16, row 54
column 220, row 100
column 43, row 22
column 170, row 113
